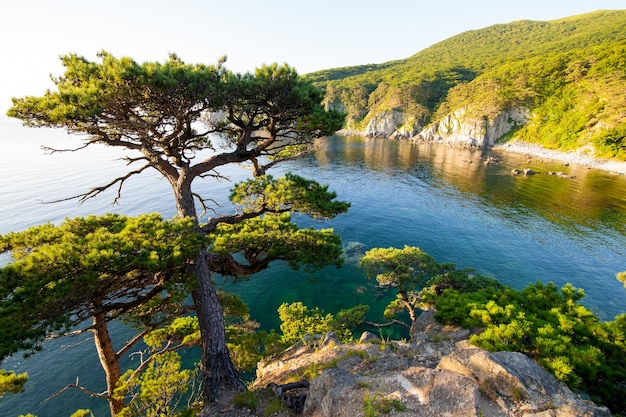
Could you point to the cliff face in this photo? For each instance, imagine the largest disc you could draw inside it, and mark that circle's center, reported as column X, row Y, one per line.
column 384, row 124
column 438, row 373
column 462, row 127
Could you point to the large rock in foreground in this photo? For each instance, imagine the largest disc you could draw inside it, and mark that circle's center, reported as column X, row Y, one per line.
column 435, row 375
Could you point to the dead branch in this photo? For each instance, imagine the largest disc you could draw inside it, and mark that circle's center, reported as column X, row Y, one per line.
column 292, row 395
column 215, row 175
column 203, row 201
column 169, row 347
column 52, row 151
column 130, row 160
column 80, row 388
column 132, row 342
column 98, row 190
column 390, row 323
column 129, row 344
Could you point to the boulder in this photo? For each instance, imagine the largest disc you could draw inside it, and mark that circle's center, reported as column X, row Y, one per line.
column 368, row 337
column 467, row 382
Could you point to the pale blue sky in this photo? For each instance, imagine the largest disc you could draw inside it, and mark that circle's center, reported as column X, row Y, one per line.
column 307, row 35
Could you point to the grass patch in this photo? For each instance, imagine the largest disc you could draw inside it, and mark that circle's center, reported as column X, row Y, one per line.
column 376, row 405
column 274, row 406
column 246, row 399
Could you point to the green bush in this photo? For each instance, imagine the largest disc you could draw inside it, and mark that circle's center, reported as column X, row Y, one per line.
column 297, row 320
column 246, row 399
column 547, row 324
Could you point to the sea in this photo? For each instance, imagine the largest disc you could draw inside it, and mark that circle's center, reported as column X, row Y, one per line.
column 448, row 201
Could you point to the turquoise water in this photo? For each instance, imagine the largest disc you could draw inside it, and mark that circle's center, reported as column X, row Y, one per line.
column 443, row 200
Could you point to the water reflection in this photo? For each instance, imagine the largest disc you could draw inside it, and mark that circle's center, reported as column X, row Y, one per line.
column 592, row 199
column 458, row 208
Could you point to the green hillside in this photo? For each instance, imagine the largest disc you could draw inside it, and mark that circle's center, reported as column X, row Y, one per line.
column 570, row 73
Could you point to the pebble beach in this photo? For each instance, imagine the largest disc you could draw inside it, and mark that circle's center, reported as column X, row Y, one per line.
column 576, row 157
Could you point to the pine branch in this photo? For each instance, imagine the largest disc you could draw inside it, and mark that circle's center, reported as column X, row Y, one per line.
column 213, row 222
column 129, row 344
column 52, row 151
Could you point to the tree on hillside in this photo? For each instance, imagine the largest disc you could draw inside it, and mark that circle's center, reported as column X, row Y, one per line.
column 154, row 109
column 89, row 271
column 404, row 270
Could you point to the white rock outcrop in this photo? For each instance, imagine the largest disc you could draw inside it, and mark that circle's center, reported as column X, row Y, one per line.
column 464, row 129
column 461, row 127
column 384, row 124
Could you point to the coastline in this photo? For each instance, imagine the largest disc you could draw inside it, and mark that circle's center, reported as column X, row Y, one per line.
column 537, row 151
column 578, row 158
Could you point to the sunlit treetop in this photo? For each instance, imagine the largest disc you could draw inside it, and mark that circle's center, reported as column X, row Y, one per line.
column 156, row 108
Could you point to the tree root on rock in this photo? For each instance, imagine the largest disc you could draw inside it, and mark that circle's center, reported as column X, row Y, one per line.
column 292, row 395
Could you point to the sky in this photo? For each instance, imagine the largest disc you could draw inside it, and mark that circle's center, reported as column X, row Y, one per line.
column 309, row 36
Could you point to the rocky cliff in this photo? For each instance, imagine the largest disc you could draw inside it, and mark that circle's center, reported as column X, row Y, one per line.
column 437, row 373
column 462, row 127
column 465, row 129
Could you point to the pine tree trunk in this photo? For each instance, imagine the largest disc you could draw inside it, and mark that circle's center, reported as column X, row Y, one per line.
column 219, row 373
column 185, row 205
column 108, row 360
column 409, row 306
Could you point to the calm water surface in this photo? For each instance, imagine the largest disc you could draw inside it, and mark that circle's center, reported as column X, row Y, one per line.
column 443, row 200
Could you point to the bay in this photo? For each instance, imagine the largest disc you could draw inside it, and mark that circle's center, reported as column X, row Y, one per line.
column 444, row 200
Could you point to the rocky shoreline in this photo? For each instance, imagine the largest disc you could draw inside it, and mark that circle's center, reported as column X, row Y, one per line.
column 582, row 157
column 437, row 373
column 578, row 157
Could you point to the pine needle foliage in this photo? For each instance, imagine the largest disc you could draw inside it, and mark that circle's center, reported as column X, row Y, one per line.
column 549, row 325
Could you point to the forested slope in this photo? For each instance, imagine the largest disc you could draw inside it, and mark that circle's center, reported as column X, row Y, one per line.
column 560, row 83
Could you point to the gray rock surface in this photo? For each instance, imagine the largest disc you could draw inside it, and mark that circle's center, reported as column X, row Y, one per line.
column 384, row 124
column 461, row 127
column 437, row 373
column 465, row 129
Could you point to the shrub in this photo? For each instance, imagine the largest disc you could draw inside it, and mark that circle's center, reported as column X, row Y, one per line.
column 547, row 324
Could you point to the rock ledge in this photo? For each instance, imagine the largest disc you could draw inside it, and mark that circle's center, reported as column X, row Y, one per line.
column 438, row 373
